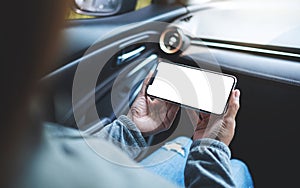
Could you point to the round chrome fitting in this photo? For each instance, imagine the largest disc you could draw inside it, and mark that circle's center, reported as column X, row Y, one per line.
column 172, row 40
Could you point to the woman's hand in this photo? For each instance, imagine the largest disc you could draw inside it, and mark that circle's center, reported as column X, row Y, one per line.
column 151, row 116
column 216, row 127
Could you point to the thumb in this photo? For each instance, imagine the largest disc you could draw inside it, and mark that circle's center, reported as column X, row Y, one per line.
column 234, row 104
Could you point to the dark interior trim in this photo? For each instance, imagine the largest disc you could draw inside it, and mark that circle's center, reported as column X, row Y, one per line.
column 279, row 70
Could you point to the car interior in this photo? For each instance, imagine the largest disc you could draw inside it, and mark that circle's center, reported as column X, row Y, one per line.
column 255, row 41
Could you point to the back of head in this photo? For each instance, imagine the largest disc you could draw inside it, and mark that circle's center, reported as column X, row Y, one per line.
column 30, row 30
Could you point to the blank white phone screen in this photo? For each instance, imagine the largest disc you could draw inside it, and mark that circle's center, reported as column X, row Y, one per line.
column 204, row 90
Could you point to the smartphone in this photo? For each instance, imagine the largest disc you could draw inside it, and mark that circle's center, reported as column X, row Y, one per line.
column 191, row 87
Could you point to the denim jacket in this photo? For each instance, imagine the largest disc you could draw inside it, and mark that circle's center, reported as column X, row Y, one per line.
column 208, row 163
column 65, row 158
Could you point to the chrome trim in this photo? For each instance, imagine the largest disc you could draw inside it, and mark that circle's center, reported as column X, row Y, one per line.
column 243, row 48
column 162, row 37
column 142, row 64
column 131, row 54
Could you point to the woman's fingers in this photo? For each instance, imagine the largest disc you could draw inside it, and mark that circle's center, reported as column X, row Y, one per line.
column 172, row 111
column 145, row 83
column 194, row 117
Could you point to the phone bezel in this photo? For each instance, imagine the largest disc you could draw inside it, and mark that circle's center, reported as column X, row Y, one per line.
column 197, row 68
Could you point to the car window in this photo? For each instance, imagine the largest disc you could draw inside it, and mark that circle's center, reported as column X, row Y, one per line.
column 73, row 15
column 266, row 23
